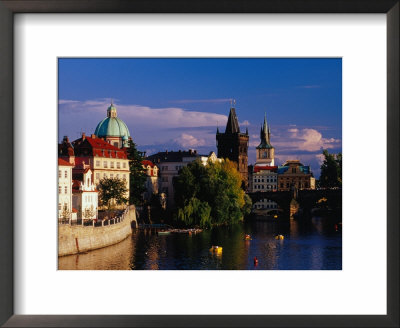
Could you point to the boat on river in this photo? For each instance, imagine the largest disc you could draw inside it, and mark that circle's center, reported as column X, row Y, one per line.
column 216, row 250
column 163, row 232
column 189, row 231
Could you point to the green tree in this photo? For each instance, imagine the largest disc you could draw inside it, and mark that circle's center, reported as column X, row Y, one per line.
column 88, row 213
column 65, row 214
column 112, row 191
column 137, row 177
column 331, row 170
column 210, row 195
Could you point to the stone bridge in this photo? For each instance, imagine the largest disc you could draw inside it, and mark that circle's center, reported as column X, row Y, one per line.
column 304, row 199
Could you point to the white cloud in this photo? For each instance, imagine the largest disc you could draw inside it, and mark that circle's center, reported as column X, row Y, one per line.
column 320, row 158
column 191, row 101
column 188, row 141
column 244, row 123
column 137, row 115
column 305, row 140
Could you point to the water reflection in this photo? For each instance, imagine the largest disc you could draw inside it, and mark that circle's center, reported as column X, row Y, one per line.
column 314, row 245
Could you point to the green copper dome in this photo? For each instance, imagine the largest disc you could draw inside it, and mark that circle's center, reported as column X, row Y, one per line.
column 112, row 126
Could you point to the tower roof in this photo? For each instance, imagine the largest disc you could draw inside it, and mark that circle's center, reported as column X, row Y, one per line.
column 233, row 125
column 265, row 135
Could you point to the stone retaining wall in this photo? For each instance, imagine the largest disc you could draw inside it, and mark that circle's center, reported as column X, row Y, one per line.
column 79, row 239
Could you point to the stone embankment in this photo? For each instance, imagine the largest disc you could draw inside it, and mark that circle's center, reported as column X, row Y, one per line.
column 79, row 239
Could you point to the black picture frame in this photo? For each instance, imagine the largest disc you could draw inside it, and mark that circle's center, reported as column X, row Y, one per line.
column 10, row 7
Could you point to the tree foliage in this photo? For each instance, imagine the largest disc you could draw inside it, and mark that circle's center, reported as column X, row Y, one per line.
column 137, row 177
column 112, row 191
column 331, row 170
column 210, row 195
column 88, row 213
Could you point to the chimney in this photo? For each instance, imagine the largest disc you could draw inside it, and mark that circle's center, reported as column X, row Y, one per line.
column 65, row 139
column 83, row 136
column 195, row 151
column 166, row 151
column 93, row 136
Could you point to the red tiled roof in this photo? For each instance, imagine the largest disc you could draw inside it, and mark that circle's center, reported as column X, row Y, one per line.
column 147, row 162
column 102, row 148
column 76, row 184
column 262, row 168
column 62, row 162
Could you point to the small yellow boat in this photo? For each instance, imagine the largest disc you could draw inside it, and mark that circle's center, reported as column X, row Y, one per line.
column 216, row 249
column 280, row 237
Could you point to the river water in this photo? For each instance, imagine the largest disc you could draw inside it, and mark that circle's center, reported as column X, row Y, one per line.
column 312, row 245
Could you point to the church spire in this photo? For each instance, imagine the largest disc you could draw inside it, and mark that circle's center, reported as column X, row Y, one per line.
column 265, row 135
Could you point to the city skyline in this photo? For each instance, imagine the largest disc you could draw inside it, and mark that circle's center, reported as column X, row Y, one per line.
column 178, row 103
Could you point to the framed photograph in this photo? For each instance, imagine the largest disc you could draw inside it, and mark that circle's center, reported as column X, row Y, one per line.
column 182, row 164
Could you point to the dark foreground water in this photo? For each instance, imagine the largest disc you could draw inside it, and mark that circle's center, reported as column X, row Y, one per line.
column 315, row 245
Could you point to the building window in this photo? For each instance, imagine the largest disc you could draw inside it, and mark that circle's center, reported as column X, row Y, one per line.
column 105, row 164
column 112, row 165
column 66, row 189
column 281, row 185
column 124, row 177
column 97, row 176
column 66, row 174
column 116, row 144
column 293, row 170
column 105, row 175
column 117, row 176
column 118, row 165
column 59, row 190
column 59, row 206
column 124, row 165
column 97, row 163
column 111, row 175
column 59, row 173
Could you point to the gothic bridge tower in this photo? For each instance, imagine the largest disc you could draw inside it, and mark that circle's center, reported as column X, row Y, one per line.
column 265, row 151
column 233, row 145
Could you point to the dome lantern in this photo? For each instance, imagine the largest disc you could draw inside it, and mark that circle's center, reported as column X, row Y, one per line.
column 111, row 111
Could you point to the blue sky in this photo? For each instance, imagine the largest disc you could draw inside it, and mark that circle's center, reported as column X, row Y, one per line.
column 177, row 103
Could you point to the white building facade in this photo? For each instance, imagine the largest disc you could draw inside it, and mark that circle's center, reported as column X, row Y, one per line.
column 85, row 197
column 152, row 179
column 64, row 190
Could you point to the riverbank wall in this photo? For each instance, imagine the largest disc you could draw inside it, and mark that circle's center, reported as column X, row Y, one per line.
column 79, row 239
